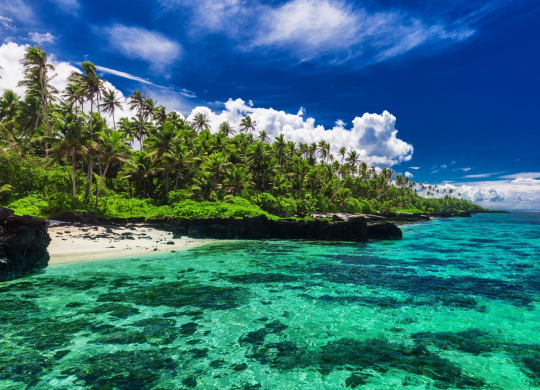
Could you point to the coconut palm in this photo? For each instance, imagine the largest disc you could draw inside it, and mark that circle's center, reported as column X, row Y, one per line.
column 227, row 129
column 237, row 179
column 37, row 80
column 111, row 102
column 73, row 140
column 200, row 122
column 247, row 124
column 263, row 136
column 91, row 86
column 9, row 107
column 113, row 147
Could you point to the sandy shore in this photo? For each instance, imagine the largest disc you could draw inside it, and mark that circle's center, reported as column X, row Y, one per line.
column 74, row 244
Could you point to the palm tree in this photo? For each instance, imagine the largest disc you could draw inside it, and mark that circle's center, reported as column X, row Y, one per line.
column 161, row 143
column 160, row 114
column 263, row 136
column 353, row 159
column 91, row 87
column 37, row 81
column 111, row 102
column 9, row 107
column 342, row 152
column 181, row 158
column 113, row 148
column 237, row 179
column 200, row 122
column 247, row 124
column 226, row 128
column 216, row 164
column 74, row 140
column 29, row 114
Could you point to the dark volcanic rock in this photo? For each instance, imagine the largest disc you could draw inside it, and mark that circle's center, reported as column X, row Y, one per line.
column 384, row 231
column 23, row 245
column 257, row 228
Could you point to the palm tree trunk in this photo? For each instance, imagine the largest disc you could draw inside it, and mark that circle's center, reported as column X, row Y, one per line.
column 176, row 180
column 166, row 182
column 47, row 125
column 114, row 122
column 74, row 173
column 89, row 189
column 100, row 183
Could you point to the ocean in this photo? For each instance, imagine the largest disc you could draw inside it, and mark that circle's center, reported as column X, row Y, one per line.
column 455, row 304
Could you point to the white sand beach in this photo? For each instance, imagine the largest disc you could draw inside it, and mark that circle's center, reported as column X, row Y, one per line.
column 86, row 243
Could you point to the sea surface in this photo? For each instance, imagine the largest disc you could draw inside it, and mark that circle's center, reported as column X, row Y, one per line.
column 454, row 305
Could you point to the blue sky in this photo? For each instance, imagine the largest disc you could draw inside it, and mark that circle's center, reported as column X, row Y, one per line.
column 460, row 77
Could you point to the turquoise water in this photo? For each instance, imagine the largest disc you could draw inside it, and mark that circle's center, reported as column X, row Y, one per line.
column 454, row 305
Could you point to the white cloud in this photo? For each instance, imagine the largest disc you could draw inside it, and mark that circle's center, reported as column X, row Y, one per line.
column 123, row 75
column 522, row 175
column 519, row 193
column 415, row 168
column 68, row 6
column 482, row 175
column 340, row 123
column 408, row 174
column 307, row 29
column 41, row 38
column 139, row 43
column 18, row 10
column 7, row 23
column 372, row 135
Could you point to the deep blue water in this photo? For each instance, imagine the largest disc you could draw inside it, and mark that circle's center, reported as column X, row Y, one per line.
column 454, row 305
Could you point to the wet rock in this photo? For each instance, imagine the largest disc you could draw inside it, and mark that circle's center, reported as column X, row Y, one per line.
column 23, row 245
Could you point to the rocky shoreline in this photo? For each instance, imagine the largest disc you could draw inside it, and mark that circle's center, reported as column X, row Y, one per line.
column 24, row 240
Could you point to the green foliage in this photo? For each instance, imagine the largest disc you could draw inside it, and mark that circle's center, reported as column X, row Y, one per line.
column 33, row 205
column 65, row 159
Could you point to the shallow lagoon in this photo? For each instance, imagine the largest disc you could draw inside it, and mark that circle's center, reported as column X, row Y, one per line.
column 455, row 304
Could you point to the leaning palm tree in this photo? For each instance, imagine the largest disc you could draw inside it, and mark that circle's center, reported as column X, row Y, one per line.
column 111, row 102
column 200, row 122
column 37, row 81
column 247, row 124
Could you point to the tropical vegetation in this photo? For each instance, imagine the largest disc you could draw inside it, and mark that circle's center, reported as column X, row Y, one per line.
column 58, row 152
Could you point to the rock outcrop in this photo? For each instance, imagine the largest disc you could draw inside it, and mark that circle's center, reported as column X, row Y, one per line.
column 384, row 231
column 342, row 228
column 23, row 245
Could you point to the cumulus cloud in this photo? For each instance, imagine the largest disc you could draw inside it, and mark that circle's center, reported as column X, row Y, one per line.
column 373, row 136
column 41, row 38
column 408, row 174
column 518, row 193
column 139, row 43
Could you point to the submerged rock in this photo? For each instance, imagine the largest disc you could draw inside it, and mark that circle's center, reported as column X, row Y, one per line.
column 23, row 245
